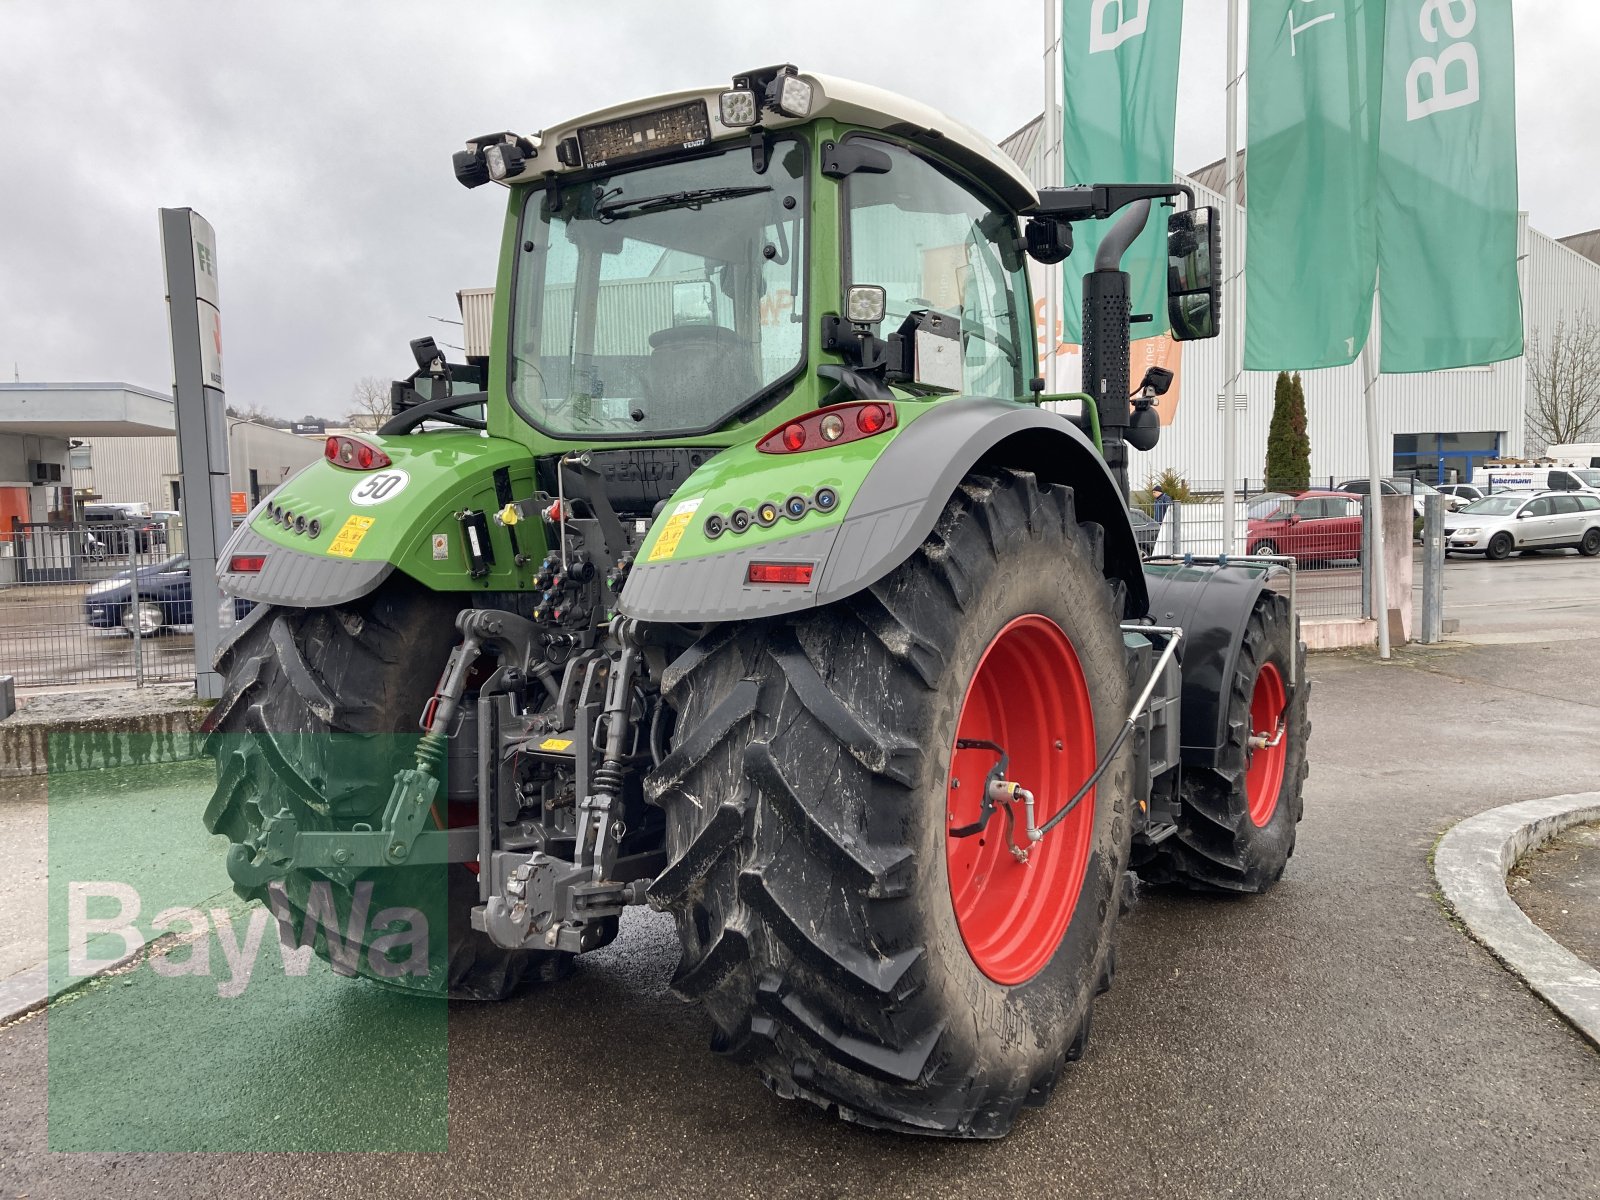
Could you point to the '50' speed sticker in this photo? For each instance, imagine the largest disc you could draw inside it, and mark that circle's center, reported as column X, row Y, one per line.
column 379, row 486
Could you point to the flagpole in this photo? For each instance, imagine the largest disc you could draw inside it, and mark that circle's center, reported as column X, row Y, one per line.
column 1380, row 586
column 1231, row 274
column 1050, row 145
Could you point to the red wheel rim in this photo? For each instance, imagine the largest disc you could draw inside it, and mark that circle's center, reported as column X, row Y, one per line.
column 1263, row 779
column 1029, row 695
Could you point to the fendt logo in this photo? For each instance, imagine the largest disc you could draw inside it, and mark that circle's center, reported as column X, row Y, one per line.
column 1450, row 80
column 1128, row 19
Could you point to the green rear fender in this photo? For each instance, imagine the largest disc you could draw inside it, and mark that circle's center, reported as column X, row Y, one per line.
column 401, row 517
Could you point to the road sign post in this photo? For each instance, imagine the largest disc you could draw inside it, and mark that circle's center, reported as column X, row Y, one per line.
column 189, row 247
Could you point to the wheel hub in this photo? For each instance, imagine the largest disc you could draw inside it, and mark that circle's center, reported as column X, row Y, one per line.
column 1028, row 695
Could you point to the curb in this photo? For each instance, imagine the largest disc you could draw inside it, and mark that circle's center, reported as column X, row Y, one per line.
column 1470, row 865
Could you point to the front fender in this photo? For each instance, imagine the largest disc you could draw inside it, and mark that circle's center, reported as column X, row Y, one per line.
column 892, row 490
column 412, row 528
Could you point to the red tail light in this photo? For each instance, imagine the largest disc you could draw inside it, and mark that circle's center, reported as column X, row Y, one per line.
column 247, row 564
column 353, row 454
column 829, row 427
column 798, row 574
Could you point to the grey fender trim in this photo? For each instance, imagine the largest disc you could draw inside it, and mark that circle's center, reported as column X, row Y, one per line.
column 893, row 513
column 294, row 578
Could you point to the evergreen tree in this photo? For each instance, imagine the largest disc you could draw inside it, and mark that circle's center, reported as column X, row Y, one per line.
column 1288, row 467
column 1300, row 457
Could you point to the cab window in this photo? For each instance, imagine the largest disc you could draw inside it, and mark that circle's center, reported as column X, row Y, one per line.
column 1538, row 508
column 1567, row 504
column 933, row 244
column 1589, row 503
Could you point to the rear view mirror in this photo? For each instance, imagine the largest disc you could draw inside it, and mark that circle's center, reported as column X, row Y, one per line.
column 694, row 302
column 1194, row 274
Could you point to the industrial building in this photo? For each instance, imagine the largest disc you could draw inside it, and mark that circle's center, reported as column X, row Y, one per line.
column 1437, row 426
column 62, row 444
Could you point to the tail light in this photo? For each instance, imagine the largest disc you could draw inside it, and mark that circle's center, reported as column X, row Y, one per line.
column 830, row 427
column 798, row 574
column 353, row 454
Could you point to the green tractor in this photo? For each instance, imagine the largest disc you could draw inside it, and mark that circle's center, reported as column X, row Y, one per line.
column 753, row 581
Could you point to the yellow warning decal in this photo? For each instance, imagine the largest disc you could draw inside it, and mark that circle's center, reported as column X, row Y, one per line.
column 672, row 532
column 349, row 536
column 556, row 744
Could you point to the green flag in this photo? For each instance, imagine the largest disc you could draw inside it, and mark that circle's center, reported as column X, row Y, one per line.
column 1119, row 112
column 1311, row 250
column 1447, row 196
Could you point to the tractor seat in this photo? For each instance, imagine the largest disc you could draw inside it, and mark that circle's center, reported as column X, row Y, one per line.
column 690, row 364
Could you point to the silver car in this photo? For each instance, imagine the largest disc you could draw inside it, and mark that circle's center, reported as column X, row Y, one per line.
column 1507, row 521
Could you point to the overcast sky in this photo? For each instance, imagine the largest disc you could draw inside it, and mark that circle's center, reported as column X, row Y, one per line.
column 316, row 137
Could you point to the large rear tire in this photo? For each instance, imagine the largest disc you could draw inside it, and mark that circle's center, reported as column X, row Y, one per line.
column 313, row 700
column 841, row 939
column 1236, row 822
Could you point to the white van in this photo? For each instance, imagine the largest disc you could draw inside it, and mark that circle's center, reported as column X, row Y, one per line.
column 1538, row 479
column 1575, row 454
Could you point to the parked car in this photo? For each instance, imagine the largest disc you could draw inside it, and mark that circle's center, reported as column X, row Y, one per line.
column 1465, row 493
column 1507, row 521
column 1146, row 530
column 1415, row 488
column 116, row 525
column 1314, row 527
column 164, row 599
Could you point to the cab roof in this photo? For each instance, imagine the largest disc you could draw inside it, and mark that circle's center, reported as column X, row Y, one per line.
column 842, row 100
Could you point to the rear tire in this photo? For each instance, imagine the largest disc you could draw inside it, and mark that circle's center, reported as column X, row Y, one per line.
column 809, row 798
column 1499, row 547
column 310, row 695
column 1236, row 822
column 1590, row 545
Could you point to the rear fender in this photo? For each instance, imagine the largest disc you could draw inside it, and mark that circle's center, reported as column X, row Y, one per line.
column 892, row 490
column 1212, row 604
column 367, row 531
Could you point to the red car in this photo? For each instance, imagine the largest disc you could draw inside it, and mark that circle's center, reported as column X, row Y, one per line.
column 1315, row 526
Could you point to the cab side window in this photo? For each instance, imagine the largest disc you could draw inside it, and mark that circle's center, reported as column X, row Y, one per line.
column 1539, row 507
column 932, row 243
column 1567, row 504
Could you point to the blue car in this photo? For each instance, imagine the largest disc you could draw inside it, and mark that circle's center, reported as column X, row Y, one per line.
column 165, row 600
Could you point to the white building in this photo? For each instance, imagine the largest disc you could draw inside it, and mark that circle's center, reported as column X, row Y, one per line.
column 113, row 441
column 1436, row 425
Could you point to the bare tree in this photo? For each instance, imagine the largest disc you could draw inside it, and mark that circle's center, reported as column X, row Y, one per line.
column 369, row 403
column 1564, row 382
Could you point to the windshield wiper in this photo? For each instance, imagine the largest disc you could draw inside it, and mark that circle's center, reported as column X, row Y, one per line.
column 623, row 209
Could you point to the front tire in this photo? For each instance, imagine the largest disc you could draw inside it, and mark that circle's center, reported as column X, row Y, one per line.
column 835, row 931
column 1499, row 547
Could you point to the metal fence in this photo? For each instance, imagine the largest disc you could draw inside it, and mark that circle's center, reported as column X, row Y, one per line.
column 1326, row 538
column 70, row 613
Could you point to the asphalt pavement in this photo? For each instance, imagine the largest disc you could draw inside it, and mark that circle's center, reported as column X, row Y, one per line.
column 1338, row 1037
